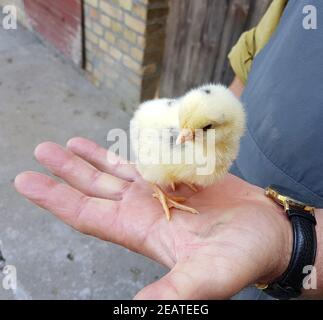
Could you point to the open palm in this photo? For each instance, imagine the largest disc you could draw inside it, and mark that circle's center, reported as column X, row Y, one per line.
column 240, row 237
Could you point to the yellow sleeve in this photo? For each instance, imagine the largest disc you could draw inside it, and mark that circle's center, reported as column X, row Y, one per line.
column 251, row 42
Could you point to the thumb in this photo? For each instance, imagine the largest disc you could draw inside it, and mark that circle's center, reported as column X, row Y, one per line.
column 183, row 282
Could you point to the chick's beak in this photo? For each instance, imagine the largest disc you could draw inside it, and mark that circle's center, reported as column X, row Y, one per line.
column 185, row 135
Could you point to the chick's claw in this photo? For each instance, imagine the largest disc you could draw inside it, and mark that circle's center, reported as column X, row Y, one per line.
column 169, row 202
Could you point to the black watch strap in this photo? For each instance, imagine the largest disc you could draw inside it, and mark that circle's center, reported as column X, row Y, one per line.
column 290, row 284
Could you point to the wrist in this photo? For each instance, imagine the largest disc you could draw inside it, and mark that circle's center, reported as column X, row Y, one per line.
column 317, row 273
column 314, row 288
column 282, row 246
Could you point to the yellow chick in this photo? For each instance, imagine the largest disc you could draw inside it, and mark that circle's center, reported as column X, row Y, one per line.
column 191, row 140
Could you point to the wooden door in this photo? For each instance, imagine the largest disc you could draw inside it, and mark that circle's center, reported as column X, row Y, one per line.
column 200, row 35
column 60, row 23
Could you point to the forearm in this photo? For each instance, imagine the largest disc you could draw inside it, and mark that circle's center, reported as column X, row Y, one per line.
column 237, row 87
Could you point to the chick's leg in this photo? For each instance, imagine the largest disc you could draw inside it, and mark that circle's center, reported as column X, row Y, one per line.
column 168, row 202
column 191, row 186
column 159, row 194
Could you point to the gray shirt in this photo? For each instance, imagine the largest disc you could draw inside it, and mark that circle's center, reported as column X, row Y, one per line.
column 283, row 97
column 283, row 143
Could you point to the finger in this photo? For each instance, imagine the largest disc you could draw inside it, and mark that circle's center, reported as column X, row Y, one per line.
column 86, row 214
column 78, row 173
column 102, row 159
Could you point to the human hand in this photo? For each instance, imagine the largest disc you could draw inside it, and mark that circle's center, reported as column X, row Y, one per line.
column 239, row 238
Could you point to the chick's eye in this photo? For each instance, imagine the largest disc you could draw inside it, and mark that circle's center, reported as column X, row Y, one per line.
column 207, row 127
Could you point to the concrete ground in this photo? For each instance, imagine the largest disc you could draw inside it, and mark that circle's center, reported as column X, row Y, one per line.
column 42, row 97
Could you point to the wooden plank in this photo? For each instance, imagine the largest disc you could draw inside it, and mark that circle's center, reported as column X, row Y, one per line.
column 200, row 35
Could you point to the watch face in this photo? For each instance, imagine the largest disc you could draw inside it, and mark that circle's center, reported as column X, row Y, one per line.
column 298, row 198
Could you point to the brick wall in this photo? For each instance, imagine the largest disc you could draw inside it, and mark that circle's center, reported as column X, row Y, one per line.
column 124, row 47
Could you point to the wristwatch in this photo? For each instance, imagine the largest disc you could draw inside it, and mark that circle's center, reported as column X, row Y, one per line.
column 302, row 217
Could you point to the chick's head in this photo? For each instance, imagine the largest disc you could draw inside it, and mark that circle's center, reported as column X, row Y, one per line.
column 210, row 107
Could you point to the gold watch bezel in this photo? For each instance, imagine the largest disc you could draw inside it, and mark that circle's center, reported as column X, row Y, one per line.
column 286, row 201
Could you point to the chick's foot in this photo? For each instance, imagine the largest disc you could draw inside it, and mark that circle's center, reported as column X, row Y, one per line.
column 169, row 202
